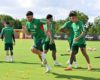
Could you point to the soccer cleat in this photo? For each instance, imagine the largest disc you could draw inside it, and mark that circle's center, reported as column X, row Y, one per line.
column 68, row 69
column 56, row 63
column 48, row 69
column 89, row 67
column 11, row 59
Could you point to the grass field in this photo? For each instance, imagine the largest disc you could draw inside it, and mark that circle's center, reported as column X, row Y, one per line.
column 27, row 66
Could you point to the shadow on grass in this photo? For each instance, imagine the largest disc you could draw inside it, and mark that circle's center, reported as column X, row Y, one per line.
column 93, row 70
column 65, row 54
column 16, row 62
column 69, row 77
column 97, row 57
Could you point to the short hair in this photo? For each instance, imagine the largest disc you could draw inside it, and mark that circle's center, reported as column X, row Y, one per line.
column 29, row 13
column 72, row 13
column 49, row 16
column 7, row 22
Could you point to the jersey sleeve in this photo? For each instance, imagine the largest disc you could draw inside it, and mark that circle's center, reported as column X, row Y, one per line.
column 65, row 26
column 27, row 27
column 43, row 21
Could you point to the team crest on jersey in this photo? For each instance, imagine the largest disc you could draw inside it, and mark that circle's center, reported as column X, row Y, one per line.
column 78, row 27
column 34, row 26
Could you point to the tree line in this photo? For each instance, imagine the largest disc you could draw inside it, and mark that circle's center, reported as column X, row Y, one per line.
column 93, row 28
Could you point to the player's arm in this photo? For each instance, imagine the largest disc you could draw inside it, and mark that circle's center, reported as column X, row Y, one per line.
column 43, row 21
column 26, row 30
column 49, row 33
column 13, row 36
column 64, row 28
column 2, row 34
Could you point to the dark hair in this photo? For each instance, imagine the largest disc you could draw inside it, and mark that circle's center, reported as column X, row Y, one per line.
column 49, row 16
column 7, row 22
column 72, row 13
column 29, row 13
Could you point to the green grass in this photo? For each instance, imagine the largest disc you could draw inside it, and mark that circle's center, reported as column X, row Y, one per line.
column 27, row 65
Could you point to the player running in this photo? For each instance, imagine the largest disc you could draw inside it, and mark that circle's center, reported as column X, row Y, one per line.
column 78, row 40
column 7, row 34
column 66, row 28
column 33, row 28
column 49, row 29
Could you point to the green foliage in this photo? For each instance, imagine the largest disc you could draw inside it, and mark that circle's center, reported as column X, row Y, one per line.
column 16, row 24
column 93, row 29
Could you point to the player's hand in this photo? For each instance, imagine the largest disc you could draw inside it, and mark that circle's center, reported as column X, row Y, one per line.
column 76, row 39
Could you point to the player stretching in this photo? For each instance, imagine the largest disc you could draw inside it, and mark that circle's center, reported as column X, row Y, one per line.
column 49, row 29
column 7, row 34
column 78, row 41
column 66, row 28
column 33, row 28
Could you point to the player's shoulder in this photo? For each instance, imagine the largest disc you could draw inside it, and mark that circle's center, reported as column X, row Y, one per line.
column 36, row 20
column 68, row 22
column 80, row 22
column 4, row 28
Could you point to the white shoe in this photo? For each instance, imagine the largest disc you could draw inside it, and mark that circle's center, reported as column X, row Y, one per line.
column 48, row 69
column 56, row 63
column 11, row 59
column 68, row 62
column 7, row 58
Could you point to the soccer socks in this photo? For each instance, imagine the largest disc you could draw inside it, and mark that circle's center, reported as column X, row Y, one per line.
column 48, row 68
column 9, row 58
column 43, row 56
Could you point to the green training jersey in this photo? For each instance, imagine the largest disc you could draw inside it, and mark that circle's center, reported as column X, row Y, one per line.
column 34, row 28
column 68, row 25
column 8, row 32
column 52, row 29
column 78, row 28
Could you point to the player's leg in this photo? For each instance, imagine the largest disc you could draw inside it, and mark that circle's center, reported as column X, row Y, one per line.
column 11, row 52
column 75, row 62
column 53, row 49
column 36, row 50
column 7, row 51
column 83, row 50
column 73, row 54
column 39, row 53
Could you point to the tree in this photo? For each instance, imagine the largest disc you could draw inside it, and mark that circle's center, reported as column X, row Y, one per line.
column 97, row 25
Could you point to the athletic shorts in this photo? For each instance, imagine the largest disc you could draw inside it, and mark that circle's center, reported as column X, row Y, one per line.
column 48, row 46
column 39, row 45
column 76, row 47
column 8, row 46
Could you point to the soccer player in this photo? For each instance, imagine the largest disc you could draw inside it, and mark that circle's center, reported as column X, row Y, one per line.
column 33, row 28
column 66, row 28
column 78, row 40
column 7, row 34
column 49, row 29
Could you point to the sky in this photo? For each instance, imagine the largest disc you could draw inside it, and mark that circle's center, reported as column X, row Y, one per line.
column 58, row 8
